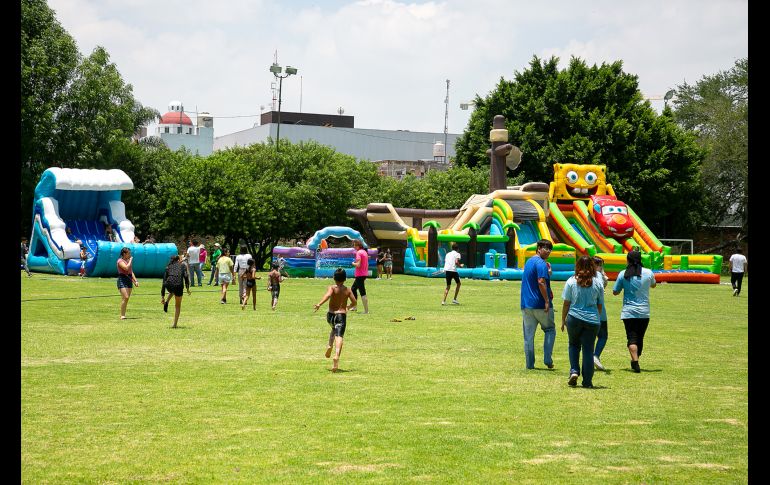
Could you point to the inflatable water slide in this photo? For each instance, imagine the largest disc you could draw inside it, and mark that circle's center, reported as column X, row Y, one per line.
column 317, row 259
column 73, row 207
column 585, row 213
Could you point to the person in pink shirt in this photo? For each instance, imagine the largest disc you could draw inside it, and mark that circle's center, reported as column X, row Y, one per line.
column 202, row 257
column 361, row 264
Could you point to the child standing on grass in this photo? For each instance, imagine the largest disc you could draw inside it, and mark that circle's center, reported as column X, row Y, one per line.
column 337, row 294
column 274, row 283
column 250, row 277
column 225, row 273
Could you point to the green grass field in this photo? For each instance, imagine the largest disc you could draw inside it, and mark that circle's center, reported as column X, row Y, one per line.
column 238, row 396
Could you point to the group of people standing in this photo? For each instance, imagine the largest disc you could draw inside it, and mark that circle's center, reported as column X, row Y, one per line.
column 584, row 315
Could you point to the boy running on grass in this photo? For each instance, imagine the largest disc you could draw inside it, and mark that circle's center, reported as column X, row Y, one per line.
column 337, row 294
column 274, row 283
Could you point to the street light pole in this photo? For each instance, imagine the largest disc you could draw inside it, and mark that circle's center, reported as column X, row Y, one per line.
column 276, row 70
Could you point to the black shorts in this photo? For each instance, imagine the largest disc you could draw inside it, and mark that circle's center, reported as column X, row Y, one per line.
column 175, row 290
column 338, row 322
column 635, row 330
column 359, row 285
column 275, row 291
column 452, row 275
column 250, row 283
column 124, row 281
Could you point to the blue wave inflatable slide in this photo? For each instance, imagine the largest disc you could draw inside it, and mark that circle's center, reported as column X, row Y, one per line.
column 76, row 205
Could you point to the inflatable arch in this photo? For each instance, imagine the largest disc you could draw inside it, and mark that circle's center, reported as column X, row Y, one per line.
column 317, row 260
column 76, row 204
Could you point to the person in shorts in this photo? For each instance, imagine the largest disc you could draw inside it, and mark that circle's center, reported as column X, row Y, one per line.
column 225, row 272
column 274, row 284
column 250, row 277
column 175, row 280
column 126, row 279
column 451, row 262
column 337, row 295
column 387, row 263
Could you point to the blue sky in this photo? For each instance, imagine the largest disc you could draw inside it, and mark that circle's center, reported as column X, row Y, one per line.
column 386, row 62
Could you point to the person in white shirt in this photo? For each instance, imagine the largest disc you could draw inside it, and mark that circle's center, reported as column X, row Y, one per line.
column 241, row 265
column 739, row 265
column 451, row 262
column 193, row 261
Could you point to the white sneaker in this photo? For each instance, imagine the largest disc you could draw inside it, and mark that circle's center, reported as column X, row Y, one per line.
column 455, row 302
column 598, row 363
column 443, row 303
column 572, row 379
column 735, row 292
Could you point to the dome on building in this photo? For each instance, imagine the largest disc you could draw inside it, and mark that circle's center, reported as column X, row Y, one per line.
column 175, row 118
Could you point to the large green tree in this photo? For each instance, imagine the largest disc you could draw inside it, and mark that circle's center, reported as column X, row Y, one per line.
column 75, row 112
column 594, row 115
column 259, row 196
column 49, row 57
column 717, row 109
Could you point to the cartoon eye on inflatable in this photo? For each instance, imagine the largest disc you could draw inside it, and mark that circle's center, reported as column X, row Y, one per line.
column 591, row 178
column 572, row 176
column 609, row 209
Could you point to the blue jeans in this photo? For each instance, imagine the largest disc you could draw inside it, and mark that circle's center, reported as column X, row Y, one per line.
column 582, row 336
column 531, row 317
column 601, row 339
column 195, row 269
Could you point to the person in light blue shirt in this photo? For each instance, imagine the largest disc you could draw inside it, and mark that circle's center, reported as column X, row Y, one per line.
column 537, row 305
column 601, row 339
column 635, row 283
column 583, row 299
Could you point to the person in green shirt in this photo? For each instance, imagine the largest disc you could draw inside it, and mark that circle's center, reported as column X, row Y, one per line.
column 214, row 270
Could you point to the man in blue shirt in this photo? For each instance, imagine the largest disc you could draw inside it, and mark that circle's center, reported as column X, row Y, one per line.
column 537, row 305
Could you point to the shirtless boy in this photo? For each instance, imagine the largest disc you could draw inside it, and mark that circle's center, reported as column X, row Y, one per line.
column 337, row 294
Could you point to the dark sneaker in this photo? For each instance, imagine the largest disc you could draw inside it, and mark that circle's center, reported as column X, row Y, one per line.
column 165, row 306
column 573, row 379
column 635, row 366
column 550, row 366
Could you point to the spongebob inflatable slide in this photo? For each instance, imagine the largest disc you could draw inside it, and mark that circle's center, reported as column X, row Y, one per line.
column 497, row 232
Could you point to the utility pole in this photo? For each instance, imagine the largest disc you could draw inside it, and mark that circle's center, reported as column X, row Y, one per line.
column 446, row 123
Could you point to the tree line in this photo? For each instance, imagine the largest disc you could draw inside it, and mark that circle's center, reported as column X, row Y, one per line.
column 685, row 167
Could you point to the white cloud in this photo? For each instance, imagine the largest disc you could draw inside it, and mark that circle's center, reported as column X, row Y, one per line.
column 386, row 61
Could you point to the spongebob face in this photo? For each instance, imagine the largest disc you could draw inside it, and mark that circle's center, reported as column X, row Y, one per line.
column 574, row 182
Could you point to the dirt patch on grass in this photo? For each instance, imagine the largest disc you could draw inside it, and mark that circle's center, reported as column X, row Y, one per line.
column 709, row 466
column 348, row 468
column 549, row 458
column 732, row 421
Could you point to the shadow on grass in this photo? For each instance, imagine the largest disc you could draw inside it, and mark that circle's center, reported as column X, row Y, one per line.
column 340, row 371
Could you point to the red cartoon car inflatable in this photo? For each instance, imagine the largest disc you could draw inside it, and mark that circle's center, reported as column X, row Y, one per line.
column 612, row 216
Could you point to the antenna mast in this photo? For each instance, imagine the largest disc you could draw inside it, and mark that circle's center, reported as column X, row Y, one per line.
column 446, row 123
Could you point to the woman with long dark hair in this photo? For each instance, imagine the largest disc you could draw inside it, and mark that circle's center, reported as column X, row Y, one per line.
column 126, row 279
column 583, row 299
column 175, row 279
column 250, row 277
column 635, row 282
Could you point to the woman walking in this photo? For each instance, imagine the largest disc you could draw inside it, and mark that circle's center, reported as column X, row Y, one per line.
column 126, row 279
column 635, row 283
column 250, row 277
column 175, row 279
column 225, row 273
column 583, row 297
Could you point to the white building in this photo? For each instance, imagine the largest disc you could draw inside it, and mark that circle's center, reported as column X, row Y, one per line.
column 177, row 130
column 339, row 133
